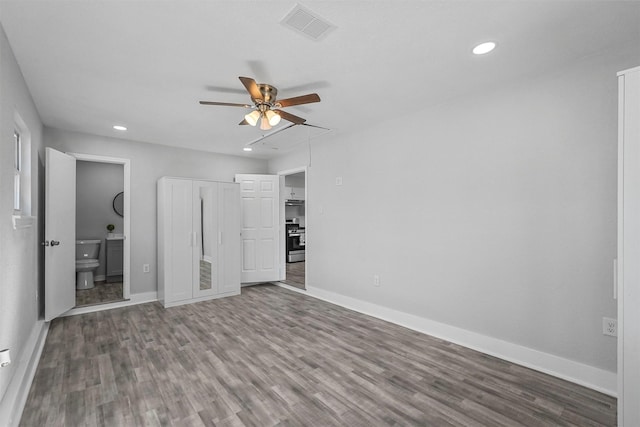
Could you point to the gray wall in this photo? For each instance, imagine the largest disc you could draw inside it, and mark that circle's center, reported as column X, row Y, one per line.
column 495, row 213
column 18, row 248
column 149, row 162
column 96, row 186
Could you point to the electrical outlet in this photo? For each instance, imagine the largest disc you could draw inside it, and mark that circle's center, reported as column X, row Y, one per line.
column 610, row 326
column 145, row 268
column 338, row 180
column 376, row 280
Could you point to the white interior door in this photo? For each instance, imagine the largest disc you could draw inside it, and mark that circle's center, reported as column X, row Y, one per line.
column 260, row 227
column 59, row 233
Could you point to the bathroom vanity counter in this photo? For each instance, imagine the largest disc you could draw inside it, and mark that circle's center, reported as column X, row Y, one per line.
column 114, row 258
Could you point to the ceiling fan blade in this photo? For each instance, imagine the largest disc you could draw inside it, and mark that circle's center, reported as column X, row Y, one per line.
column 222, row 89
column 225, row 104
column 290, row 117
column 304, row 99
column 244, row 122
column 259, row 69
column 252, row 87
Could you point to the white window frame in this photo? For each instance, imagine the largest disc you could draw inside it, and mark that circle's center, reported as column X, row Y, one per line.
column 17, row 172
column 22, row 203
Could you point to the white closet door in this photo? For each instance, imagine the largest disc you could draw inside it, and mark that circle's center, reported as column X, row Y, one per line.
column 260, row 227
column 180, row 239
column 229, row 238
column 205, row 234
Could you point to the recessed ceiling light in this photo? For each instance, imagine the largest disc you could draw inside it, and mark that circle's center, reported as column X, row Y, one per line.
column 483, row 48
column 119, row 127
column 248, row 149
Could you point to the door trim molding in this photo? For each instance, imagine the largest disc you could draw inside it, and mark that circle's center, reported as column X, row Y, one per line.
column 126, row 278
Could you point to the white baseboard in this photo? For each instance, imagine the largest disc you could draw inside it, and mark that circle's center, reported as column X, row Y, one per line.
column 143, row 297
column 134, row 299
column 576, row 372
column 200, row 299
column 15, row 398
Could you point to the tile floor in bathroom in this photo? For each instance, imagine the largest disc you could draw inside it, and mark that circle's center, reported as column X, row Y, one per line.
column 102, row 293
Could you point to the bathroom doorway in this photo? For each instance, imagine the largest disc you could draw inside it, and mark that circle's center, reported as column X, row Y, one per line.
column 101, row 229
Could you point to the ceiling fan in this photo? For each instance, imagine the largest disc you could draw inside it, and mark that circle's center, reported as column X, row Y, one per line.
column 267, row 107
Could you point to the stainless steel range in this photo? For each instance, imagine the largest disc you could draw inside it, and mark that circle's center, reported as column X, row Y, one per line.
column 295, row 243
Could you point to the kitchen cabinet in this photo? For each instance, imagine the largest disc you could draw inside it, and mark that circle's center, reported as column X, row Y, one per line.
column 198, row 240
column 295, row 193
column 114, row 259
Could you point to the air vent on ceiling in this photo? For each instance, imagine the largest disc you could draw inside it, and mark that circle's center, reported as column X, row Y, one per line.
column 307, row 23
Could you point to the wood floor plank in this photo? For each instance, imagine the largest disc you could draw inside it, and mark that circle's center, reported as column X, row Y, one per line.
column 295, row 274
column 103, row 292
column 271, row 357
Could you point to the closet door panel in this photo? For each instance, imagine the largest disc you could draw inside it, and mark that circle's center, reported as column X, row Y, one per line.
column 179, row 244
column 229, row 238
column 205, row 222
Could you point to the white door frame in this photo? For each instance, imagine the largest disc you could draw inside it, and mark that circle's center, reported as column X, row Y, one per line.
column 283, row 245
column 126, row 276
column 628, row 272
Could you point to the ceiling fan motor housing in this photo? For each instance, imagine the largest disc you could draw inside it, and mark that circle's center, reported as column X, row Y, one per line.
column 268, row 92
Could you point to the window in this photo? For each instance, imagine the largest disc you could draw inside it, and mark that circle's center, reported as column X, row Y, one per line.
column 21, row 168
column 17, row 171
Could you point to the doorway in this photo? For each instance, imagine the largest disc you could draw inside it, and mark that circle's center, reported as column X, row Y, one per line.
column 102, row 225
column 293, row 205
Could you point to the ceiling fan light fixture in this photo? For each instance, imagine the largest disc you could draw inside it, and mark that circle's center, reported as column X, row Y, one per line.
column 273, row 118
column 264, row 123
column 252, row 117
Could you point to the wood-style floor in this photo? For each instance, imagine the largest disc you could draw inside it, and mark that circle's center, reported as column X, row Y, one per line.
column 295, row 274
column 273, row 357
column 103, row 292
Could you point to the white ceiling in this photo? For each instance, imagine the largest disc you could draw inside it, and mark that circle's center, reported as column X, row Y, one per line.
column 90, row 64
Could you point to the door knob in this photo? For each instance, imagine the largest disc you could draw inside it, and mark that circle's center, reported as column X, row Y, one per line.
column 55, row 243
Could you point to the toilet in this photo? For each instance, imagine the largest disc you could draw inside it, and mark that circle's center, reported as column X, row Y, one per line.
column 87, row 252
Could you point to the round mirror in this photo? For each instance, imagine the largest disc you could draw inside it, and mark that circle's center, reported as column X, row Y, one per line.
column 118, row 203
